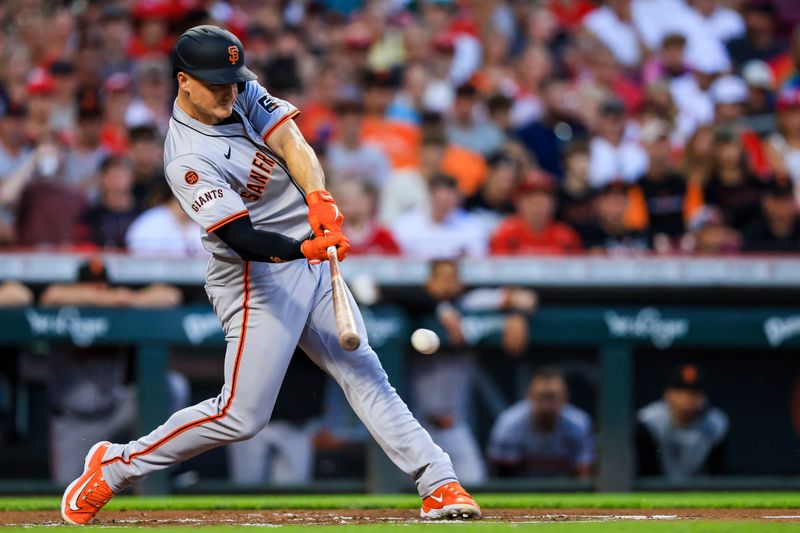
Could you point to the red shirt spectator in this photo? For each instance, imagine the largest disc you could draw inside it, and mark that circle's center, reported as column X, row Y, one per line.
column 533, row 231
column 356, row 199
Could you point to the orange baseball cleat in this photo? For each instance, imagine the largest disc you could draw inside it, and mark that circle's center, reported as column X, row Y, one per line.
column 449, row 501
column 89, row 493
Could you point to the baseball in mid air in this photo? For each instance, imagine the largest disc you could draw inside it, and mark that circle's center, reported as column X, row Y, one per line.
column 425, row 341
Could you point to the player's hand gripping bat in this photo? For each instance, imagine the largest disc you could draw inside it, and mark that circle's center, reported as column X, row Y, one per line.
column 345, row 321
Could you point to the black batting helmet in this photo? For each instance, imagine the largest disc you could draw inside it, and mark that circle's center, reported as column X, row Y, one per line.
column 211, row 54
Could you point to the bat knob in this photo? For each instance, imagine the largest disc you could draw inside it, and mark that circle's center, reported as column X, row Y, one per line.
column 349, row 341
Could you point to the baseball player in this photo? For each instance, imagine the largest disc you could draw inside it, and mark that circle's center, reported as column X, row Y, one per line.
column 240, row 168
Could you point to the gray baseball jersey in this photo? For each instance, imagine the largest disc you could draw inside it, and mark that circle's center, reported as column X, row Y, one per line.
column 223, row 172
column 220, row 173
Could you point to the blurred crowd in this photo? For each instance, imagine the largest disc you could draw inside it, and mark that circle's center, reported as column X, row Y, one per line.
column 446, row 127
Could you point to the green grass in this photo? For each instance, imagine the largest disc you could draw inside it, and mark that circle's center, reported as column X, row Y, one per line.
column 615, row 527
column 703, row 500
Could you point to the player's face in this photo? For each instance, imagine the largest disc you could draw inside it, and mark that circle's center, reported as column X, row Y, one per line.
column 684, row 404
column 209, row 102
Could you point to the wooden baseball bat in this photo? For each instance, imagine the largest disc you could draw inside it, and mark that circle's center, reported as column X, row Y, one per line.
column 345, row 321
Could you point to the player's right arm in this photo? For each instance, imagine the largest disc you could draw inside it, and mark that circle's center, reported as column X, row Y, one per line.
column 210, row 201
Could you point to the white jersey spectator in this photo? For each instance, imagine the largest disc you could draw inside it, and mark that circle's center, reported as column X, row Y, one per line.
column 614, row 28
column 444, row 231
column 165, row 231
column 612, row 155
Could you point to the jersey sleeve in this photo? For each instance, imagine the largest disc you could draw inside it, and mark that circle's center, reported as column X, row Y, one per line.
column 264, row 111
column 202, row 192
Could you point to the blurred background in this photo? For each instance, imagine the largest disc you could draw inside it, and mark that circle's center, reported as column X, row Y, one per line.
column 593, row 203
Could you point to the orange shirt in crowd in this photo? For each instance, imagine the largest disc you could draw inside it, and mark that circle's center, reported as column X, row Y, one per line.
column 316, row 121
column 400, row 141
column 467, row 167
column 515, row 237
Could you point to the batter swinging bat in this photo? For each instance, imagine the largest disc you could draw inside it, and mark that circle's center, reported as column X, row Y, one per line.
column 345, row 322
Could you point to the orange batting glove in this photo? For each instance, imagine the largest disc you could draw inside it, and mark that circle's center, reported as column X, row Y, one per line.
column 323, row 213
column 316, row 249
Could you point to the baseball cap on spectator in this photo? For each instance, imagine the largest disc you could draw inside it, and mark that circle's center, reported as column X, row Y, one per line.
column 688, row 377
column 93, row 271
column 788, row 98
column 117, row 82
column 382, row 79
column 535, row 181
column 728, row 90
column 40, row 82
column 758, row 74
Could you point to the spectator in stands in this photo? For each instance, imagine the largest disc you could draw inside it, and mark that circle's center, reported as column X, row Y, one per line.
column 575, row 194
column 760, row 40
column 14, row 152
column 540, row 136
column 729, row 95
column 348, row 156
column 778, row 228
column 106, row 223
column 610, row 233
column 543, row 434
column 441, row 383
column 146, row 156
column 86, row 388
column 760, row 106
column 533, row 230
column 492, row 202
column 48, row 210
column 723, row 23
column 661, row 195
column 612, row 24
column 150, row 105
column 681, row 435
column 407, row 189
column 463, row 129
column 698, row 160
column 783, row 146
column 165, row 230
column 442, row 231
column 612, row 156
column 357, row 199
column 84, row 157
column 732, row 188
column 399, row 140
column 670, row 62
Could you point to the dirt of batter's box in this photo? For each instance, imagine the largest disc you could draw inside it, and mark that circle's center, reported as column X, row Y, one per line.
column 372, row 516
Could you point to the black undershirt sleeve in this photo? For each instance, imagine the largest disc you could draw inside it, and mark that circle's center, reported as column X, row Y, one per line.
column 255, row 245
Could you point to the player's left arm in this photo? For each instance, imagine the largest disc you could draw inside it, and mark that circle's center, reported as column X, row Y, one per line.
column 288, row 143
column 273, row 118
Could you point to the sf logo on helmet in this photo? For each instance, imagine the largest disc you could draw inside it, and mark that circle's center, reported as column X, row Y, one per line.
column 233, row 54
